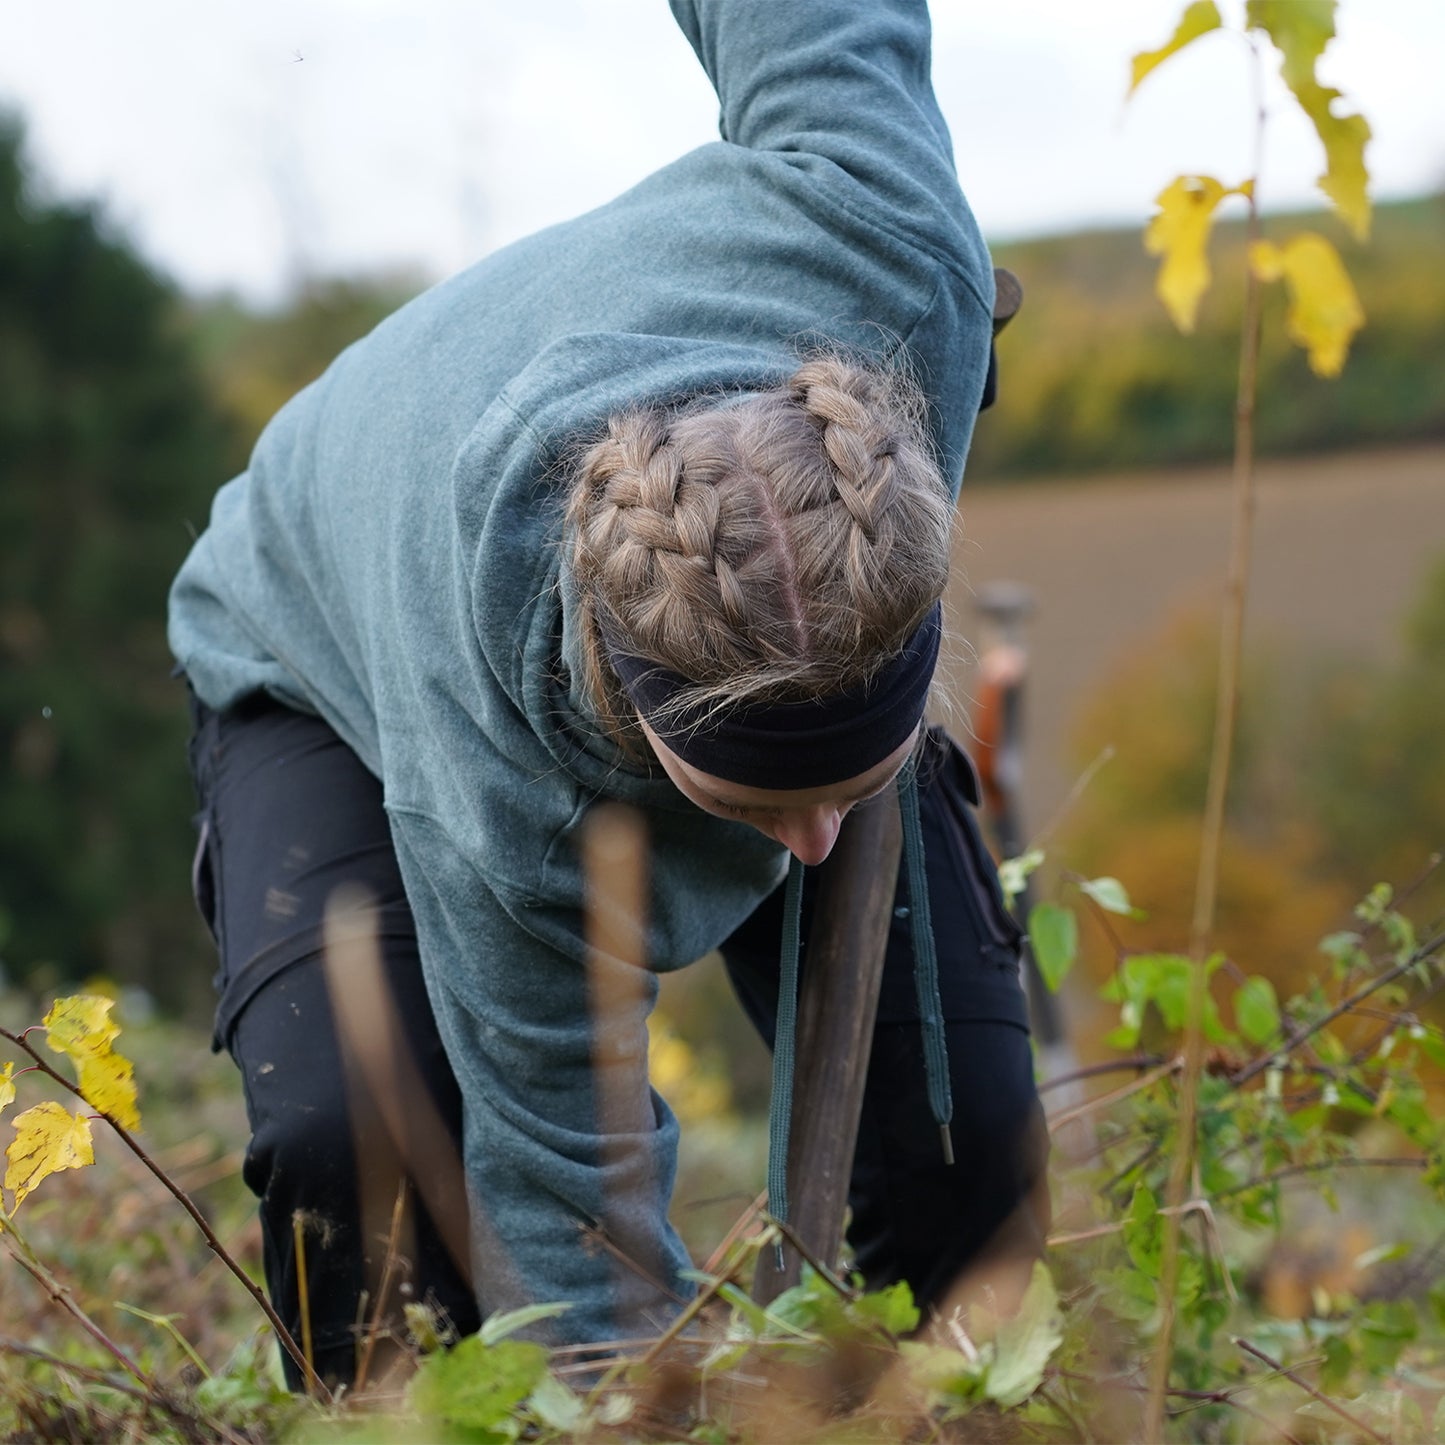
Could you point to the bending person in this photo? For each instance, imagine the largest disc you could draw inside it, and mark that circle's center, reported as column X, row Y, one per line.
column 601, row 519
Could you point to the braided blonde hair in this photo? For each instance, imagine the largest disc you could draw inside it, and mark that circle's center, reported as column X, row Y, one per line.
column 779, row 546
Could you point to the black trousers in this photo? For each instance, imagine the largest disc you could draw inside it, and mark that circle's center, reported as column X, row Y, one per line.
column 288, row 814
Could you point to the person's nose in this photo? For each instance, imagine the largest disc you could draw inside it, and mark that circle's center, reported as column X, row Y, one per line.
column 809, row 833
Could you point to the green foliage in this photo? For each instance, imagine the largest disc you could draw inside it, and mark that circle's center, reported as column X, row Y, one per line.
column 1372, row 756
column 1054, row 938
column 109, row 448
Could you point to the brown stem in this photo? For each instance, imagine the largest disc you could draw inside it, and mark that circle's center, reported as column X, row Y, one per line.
column 388, row 1269
column 1310, row 1390
column 1114, row 1096
column 283, row 1335
column 1212, row 833
column 1317, row 1166
column 61, row 1296
column 1112, row 1066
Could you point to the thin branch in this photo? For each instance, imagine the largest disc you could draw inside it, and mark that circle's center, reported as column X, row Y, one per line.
column 1074, row 794
column 61, row 1296
column 1310, row 1390
column 1113, row 1066
column 1102, row 1231
column 283, row 1335
column 1316, row 1167
column 1114, row 1096
column 388, row 1269
column 81, row 1372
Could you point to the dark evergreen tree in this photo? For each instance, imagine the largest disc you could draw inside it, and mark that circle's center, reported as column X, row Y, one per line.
column 109, row 453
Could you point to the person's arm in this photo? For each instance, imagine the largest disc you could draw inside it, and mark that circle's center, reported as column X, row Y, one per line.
column 848, row 81
column 569, row 1155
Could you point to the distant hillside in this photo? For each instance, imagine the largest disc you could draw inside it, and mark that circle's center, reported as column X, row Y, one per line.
column 1094, row 375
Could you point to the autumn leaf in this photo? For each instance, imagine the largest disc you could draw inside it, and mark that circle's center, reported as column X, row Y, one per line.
column 81, row 1028
column 7, row 1085
column 1301, row 29
column 80, row 1024
column 1324, row 311
column 108, row 1083
column 1198, row 19
column 48, row 1138
column 1180, row 234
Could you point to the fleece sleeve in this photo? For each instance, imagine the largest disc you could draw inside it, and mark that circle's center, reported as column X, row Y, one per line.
column 569, row 1154
column 846, row 83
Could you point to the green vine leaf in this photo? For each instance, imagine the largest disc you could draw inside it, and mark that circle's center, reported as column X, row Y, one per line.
column 1301, row 29
column 1013, row 874
column 1198, row 19
column 1324, row 311
column 478, row 1386
column 1054, row 937
column 1111, row 896
column 1025, row 1342
column 1256, row 1010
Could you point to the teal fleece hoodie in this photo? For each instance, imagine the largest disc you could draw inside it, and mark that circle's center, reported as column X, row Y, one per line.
column 390, row 561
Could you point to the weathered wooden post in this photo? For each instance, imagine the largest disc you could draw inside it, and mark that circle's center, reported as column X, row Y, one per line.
column 836, row 1008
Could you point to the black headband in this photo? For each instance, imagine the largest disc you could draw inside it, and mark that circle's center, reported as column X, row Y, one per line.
column 792, row 744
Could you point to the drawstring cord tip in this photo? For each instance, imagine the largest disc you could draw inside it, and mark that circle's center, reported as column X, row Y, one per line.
column 947, row 1138
column 778, row 1255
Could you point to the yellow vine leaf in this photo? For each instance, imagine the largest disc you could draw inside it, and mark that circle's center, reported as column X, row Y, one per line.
column 1301, row 29
column 1198, row 19
column 48, row 1138
column 1180, row 234
column 80, row 1027
column 7, row 1086
column 108, row 1083
column 79, row 1024
column 1324, row 310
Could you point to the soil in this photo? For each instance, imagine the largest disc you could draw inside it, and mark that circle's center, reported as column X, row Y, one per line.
column 1342, row 546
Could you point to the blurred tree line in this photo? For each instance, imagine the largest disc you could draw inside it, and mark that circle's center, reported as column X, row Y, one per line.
column 123, row 405
column 122, row 408
column 1094, row 375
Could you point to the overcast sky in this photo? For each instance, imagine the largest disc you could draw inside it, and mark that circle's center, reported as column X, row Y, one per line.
column 242, row 144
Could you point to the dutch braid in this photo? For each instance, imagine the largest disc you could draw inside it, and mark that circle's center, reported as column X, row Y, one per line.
column 784, row 545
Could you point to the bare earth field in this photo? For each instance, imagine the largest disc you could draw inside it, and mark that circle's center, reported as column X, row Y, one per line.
column 1342, row 544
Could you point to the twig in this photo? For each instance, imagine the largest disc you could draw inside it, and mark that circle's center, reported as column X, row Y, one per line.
column 84, row 1372
column 1266, row 1061
column 1145, row 1081
column 388, row 1267
column 62, row 1297
column 151, row 1391
column 1320, row 1164
column 283, row 1335
column 1310, row 1390
column 752, row 1212
column 680, row 1322
column 1112, row 1066
column 1074, row 794
column 1102, row 1231
column 303, row 1293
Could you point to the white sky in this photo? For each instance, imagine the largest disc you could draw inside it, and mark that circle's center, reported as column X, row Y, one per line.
column 240, row 144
